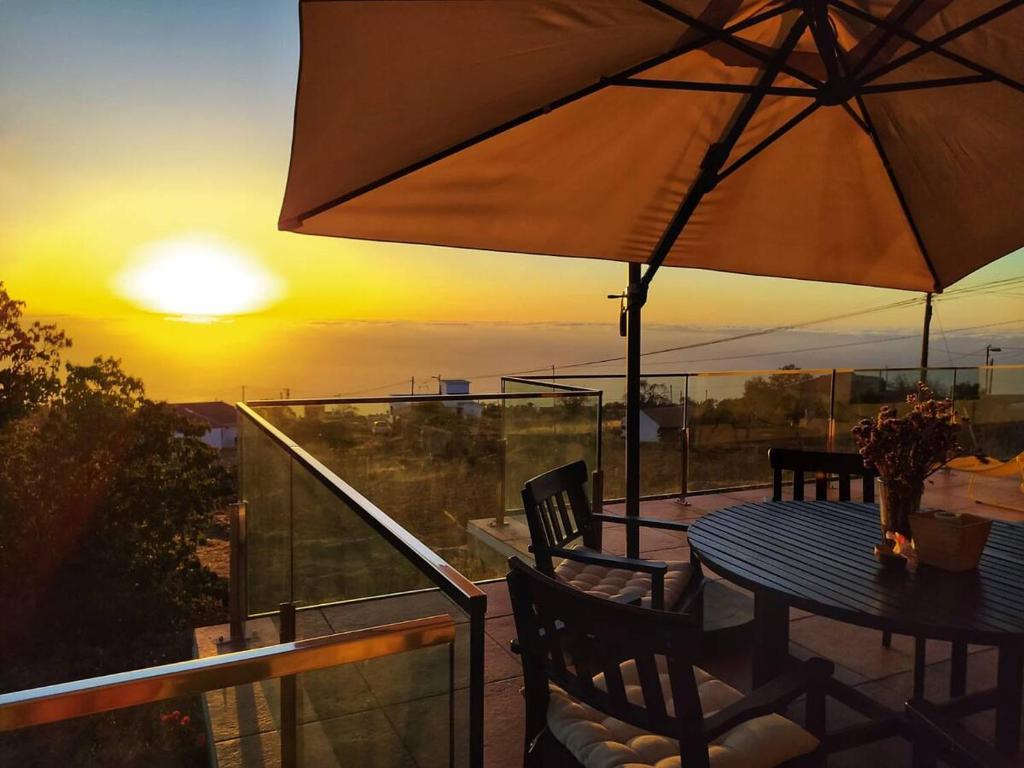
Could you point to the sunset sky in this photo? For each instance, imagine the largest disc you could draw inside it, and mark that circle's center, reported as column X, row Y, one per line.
column 130, row 125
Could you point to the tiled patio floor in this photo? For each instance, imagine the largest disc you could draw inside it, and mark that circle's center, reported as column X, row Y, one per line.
column 380, row 712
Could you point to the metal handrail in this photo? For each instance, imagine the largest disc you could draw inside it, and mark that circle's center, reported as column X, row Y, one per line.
column 563, row 391
column 53, row 703
column 460, row 589
column 538, row 378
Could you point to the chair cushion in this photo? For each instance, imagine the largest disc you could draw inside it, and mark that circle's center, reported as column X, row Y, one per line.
column 599, row 741
column 602, row 581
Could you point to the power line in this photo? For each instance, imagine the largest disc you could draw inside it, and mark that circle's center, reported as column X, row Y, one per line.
column 986, row 288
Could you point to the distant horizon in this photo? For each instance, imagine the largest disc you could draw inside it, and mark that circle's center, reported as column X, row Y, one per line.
column 117, row 198
column 316, row 359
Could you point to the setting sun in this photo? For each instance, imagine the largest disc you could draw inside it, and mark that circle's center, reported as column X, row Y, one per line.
column 197, row 278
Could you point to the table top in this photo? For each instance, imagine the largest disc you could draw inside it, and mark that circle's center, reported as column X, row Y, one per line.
column 817, row 555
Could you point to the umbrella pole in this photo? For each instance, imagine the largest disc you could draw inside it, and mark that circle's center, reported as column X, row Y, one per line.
column 634, row 304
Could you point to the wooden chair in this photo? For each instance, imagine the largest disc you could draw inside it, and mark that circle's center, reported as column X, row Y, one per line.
column 821, row 465
column 611, row 684
column 937, row 737
column 845, row 467
column 565, row 538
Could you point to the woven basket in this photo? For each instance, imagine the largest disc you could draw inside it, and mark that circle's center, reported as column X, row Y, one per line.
column 953, row 542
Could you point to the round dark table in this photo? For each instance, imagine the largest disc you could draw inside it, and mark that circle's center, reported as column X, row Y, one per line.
column 817, row 556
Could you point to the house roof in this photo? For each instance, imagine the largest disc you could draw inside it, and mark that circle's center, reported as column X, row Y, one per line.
column 215, row 413
column 666, row 417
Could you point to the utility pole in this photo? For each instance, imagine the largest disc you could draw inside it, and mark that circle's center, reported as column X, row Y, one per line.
column 552, row 374
column 438, row 377
column 990, row 360
column 926, row 331
column 243, row 393
column 412, row 385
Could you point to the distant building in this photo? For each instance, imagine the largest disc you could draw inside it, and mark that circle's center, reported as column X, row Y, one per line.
column 658, row 421
column 219, row 418
column 461, row 387
column 454, row 386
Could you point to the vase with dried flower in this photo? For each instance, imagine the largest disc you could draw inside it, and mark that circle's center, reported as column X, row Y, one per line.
column 904, row 451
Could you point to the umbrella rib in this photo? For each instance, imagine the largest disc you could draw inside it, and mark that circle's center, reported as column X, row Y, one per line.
column 855, row 117
column 919, row 85
column 935, row 46
column 691, row 85
column 766, row 142
column 725, row 35
column 654, row 61
column 904, row 206
column 886, row 36
column 718, row 153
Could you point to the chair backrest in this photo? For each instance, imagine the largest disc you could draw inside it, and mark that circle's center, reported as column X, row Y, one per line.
column 568, row 638
column 558, row 512
column 821, row 465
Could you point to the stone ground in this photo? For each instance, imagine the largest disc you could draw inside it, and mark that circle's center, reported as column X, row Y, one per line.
column 394, row 711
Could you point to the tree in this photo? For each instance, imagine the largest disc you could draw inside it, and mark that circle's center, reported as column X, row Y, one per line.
column 30, row 361
column 105, row 496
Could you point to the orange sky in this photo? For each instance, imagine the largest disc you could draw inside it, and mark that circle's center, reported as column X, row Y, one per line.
column 128, row 124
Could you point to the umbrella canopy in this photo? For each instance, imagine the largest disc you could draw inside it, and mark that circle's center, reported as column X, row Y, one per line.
column 874, row 142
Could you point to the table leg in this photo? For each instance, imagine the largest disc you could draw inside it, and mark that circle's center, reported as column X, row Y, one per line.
column 920, row 649
column 1010, row 687
column 771, row 637
column 958, row 670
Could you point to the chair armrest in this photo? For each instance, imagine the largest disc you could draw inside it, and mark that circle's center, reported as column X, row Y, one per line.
column 656, row 568
column 771, row 697
column 653, row 567
column 643, row 522
column 940, row 734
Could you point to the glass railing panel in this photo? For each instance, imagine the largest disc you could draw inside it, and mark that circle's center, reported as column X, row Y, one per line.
column 335, row 554
column 992, row 400
column 736, row 418
column 425, row 694
column 860, row 393
column 265, row 485
column 393, row 711
column 662, row 420
column 161, row 734
column 542, row 433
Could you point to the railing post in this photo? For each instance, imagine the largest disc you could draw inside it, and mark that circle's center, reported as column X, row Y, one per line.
column 237, row 597
column 477, row 613
column 289, row 699
column 684, row 464
column 499, row 518
column 830, row 436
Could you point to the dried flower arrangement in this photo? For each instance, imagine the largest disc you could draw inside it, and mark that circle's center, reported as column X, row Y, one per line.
column 905, row 450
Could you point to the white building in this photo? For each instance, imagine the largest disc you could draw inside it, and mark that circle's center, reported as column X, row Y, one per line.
column 220, row 420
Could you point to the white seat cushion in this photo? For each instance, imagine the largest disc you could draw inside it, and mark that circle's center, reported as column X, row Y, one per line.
column 603, row 581
column 599, row 741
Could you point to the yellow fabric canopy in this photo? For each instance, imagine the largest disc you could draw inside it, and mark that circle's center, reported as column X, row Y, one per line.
column 887, row 150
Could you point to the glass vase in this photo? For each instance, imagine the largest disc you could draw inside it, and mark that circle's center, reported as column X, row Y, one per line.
column 896, row 503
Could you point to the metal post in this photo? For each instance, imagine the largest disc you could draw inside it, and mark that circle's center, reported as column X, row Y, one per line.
column 237, row 597
column 597, row 504
column 830, row 437
column 925, row 332
column 499, row 518
column 684, row 464
column 478, row 610
column 634, row 305
column 289, row 698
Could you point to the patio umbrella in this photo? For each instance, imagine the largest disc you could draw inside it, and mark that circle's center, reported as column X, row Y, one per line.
column 872, row 142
